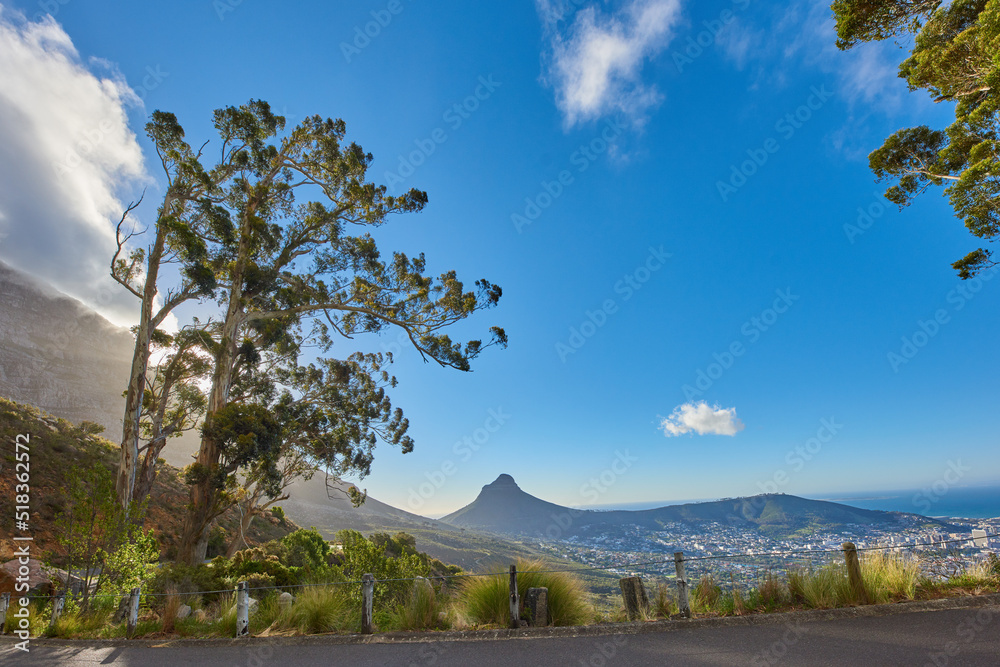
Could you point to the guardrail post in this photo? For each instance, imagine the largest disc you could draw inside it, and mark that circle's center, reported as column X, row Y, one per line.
column 854, row 573
column 515, row 600
column 4, row 604
column 242, row 609
column 57, row 608
column 683, row 604
column 634, row 595
column 122, row 611
column 367, row 603
column 133, row 613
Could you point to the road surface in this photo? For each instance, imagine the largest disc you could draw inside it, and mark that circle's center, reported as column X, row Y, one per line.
column 929, row 638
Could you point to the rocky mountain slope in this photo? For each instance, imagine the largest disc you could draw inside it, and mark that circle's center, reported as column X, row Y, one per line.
column 58, row 355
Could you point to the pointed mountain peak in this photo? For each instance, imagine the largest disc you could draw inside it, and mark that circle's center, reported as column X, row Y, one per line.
column 503, row 480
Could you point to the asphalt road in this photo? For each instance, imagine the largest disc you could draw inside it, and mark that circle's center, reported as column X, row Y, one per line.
column 932, row 638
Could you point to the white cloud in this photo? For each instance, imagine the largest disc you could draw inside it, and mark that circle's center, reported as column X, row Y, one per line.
column 701, row 418
column 66, row 151
column 595, row 64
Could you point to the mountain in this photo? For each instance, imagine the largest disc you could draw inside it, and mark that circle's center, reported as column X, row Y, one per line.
column 502, row 507
column 58, row 355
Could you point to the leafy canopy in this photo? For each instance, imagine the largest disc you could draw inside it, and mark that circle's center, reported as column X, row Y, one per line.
column 955, row 57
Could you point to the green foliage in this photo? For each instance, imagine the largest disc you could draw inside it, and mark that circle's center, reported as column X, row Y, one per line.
column 486, row 599
column 362, row 556
column 956, row 58
column 322, row 609
column 278, row 513
column 106, row 544
column 306, row 549
column 890, row 577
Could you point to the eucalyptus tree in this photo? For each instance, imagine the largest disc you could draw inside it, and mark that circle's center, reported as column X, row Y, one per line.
column 189, row 186
column 333, row 413
column 954, row 57
column 291, row 275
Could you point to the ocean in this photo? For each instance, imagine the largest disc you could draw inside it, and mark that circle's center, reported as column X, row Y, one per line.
column 977, row 502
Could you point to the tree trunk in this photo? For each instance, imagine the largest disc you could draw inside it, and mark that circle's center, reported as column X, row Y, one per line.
column 202, row 509
column 129, row 460
column 239, row 541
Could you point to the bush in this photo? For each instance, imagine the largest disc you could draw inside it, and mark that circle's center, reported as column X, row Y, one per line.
column 890, row 577
column 486, row 599
column 362, row 556
column 306, row 549
column 321, row 609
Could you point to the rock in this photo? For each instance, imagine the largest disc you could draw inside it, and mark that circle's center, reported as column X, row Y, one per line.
column 285, row 600
column 536, row 604
column 38, row 582
column 252, row 605
column 62, row 577
column 183, row 612
column 199, row 615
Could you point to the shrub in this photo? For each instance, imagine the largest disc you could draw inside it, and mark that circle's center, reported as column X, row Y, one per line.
column 306, row 549
column 826, row 587
column 362, row 556
column 486, row 599
column 890, row 577
column 421, row 609
column 321, row 609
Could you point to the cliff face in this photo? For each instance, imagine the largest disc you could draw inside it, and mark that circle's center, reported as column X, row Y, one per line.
column 60, row 356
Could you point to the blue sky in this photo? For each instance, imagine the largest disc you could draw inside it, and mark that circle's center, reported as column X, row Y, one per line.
column 669, row 193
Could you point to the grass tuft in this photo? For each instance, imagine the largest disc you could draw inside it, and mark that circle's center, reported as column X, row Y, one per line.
column 486, row 600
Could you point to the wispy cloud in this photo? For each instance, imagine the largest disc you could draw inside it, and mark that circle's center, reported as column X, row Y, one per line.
column 595, row 59
column 65, row 151
column 701, row 418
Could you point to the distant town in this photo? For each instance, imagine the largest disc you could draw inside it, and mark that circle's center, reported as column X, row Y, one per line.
column 637, row 550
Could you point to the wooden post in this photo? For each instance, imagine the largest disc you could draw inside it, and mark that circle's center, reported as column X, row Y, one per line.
column 515, row 600
column 367, row 603
column 682, row 586
column 242, row 609
column 4, row 603
column 854, row 573
column 57, row 608
column 133, row 613
column 536, row 603
column 122, row 610
column 634, row 595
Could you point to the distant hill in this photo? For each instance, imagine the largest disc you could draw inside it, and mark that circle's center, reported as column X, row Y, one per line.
column 502, row 507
